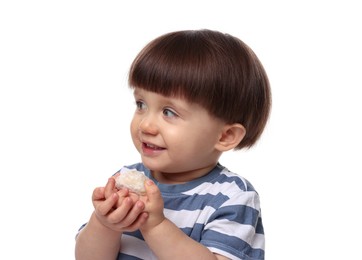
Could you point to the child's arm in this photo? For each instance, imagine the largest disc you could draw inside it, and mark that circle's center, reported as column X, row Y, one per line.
column 114, row 213
column 165, row 239
column 95, row 241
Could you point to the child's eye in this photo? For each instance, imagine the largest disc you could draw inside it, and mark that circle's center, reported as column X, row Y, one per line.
column 169, row 113
column 140, row 105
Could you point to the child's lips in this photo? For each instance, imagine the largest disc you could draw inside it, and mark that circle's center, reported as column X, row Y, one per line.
column 151, row 149
column 151, row 146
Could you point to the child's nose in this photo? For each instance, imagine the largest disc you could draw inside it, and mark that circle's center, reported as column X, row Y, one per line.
column 148, row 125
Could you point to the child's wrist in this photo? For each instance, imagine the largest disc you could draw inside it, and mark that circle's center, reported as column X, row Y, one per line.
column 99, row 226
column 154, row 226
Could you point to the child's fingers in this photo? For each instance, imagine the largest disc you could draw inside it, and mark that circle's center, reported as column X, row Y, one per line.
column 140, row 220
column 110, row 187
column 98, row 194
column 126, row 212
column 154, row 206
column 152, row 191
column 107, row 205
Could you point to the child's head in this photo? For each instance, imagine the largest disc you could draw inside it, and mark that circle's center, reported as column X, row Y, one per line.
column 209, row 68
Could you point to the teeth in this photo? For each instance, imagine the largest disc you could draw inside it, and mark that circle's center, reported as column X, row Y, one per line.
column 152, row 146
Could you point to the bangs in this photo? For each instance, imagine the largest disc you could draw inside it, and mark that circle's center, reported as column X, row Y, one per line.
column 179, row 65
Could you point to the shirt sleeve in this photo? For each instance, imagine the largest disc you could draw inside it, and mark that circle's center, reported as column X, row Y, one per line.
column 235, row 229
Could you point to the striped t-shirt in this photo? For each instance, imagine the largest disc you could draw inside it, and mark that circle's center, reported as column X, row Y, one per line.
column 220, row 210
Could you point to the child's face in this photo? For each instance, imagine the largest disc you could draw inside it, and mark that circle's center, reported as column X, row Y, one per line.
column 174, row 137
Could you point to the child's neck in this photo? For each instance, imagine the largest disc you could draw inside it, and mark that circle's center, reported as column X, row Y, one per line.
column 181, row 177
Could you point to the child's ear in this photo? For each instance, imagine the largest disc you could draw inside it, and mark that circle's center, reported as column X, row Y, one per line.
column 230, row 137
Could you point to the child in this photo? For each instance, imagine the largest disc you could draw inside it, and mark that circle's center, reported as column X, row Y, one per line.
column 198, row 94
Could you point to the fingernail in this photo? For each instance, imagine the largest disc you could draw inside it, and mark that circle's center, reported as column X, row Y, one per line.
column 140, row 204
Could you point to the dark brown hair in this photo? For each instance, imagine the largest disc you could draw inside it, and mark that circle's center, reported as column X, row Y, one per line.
column 210, row 68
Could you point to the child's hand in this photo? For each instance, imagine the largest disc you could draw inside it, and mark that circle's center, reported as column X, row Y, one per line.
column 116, row 210
column 153, row 206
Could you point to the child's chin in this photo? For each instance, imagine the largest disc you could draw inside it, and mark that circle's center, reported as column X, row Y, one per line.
column 152, row 165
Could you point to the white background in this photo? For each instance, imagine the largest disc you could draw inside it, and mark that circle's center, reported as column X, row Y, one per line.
column 65, row 110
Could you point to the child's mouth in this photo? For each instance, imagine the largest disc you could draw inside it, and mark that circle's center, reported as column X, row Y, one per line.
column 151, row 147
